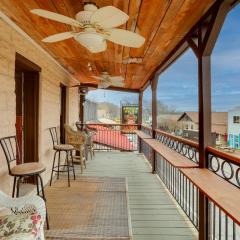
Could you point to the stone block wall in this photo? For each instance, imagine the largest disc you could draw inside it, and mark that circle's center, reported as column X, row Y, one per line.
column 12, row 42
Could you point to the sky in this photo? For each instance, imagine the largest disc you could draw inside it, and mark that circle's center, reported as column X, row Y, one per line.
column 177, row 86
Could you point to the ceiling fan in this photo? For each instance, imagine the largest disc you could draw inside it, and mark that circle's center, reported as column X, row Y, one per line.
column 105, row 80
column 97, row 26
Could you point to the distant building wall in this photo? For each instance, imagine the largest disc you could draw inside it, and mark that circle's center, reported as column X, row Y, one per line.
column 234, row 128
column 90, row 111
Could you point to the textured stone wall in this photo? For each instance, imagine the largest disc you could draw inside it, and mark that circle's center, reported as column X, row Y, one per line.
column 50, row 78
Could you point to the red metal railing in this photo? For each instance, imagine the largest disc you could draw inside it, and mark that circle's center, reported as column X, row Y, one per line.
column 120, row 137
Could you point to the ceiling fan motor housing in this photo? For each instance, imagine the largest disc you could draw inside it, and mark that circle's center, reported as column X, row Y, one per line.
column 85, row 16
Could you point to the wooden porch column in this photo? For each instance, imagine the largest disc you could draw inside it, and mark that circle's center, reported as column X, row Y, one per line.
column 202, row 46
column 140, row 97
column 81, row 106
column 154, row 84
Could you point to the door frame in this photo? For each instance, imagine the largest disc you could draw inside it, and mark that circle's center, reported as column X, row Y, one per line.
column 32, row 71
column 63, row 111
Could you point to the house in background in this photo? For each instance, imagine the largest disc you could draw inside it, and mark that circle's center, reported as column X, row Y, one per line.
column 234, row 128
column 189, row 125
column 169, row 122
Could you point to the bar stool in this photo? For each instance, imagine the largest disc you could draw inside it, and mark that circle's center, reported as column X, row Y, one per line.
column 32, row 169
column 58, row 147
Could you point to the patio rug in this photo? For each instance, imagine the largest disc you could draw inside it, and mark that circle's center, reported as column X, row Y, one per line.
column 92, row 208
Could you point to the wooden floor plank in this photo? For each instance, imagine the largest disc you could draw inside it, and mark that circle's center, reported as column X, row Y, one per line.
column 154, row 214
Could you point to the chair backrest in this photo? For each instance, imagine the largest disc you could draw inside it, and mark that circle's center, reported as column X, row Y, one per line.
column 54, row 135
column 74, row 137
column 10, row 149
column 79, row 126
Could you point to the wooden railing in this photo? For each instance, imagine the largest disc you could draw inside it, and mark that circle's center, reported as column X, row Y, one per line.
column 173, row 160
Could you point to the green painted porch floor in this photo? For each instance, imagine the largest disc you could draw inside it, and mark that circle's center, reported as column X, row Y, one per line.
column 154, row 213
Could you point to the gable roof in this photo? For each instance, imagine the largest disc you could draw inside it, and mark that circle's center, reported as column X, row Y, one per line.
column 219, row 120
column 217, row 117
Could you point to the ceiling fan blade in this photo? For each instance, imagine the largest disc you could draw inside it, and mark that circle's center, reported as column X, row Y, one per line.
column 98, row 78
column 125, row 38
column 56, row 17
column 117, row 84
column 58, row 37
column 74, row 86
column 109, row 17
column 116, row 79
column 92, row 88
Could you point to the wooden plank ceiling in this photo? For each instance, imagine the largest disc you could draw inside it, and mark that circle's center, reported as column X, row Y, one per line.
column 162, row 22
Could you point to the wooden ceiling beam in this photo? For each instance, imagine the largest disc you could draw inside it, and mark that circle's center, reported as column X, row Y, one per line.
column 150, row 18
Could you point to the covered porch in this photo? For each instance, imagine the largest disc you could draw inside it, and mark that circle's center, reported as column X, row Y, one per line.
column 168, row 187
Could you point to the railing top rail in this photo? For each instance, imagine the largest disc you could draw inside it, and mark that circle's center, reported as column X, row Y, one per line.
column 179, row 139
column 110, row 124
column 226, row 197
column 223, row 155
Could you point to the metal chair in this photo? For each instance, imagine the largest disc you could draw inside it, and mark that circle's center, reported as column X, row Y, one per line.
column 32, row 169
column 58, row 147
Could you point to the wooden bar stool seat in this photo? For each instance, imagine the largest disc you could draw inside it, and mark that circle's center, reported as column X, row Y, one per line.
column 63, row 147
column 29, row 169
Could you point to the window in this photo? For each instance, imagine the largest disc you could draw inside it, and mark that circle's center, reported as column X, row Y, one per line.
column 236, row 119
column 192, row 126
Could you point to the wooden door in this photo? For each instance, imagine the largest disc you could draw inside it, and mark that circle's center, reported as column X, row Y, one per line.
column 31, row 112
column 27, row 108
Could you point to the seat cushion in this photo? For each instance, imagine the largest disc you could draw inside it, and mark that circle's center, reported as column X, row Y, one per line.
column 63, row 147
column 22, row 226
column 28, row 168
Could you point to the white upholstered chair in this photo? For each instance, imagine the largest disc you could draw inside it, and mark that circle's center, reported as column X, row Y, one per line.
column 27, row 205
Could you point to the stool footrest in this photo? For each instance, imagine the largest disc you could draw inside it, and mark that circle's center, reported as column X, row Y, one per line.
column 55, row 169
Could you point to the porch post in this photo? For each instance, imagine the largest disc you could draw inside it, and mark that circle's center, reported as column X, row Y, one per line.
column 202, row 47
column 81, row 106
column 154, row 84
column 140, row 97
column 204, row 101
